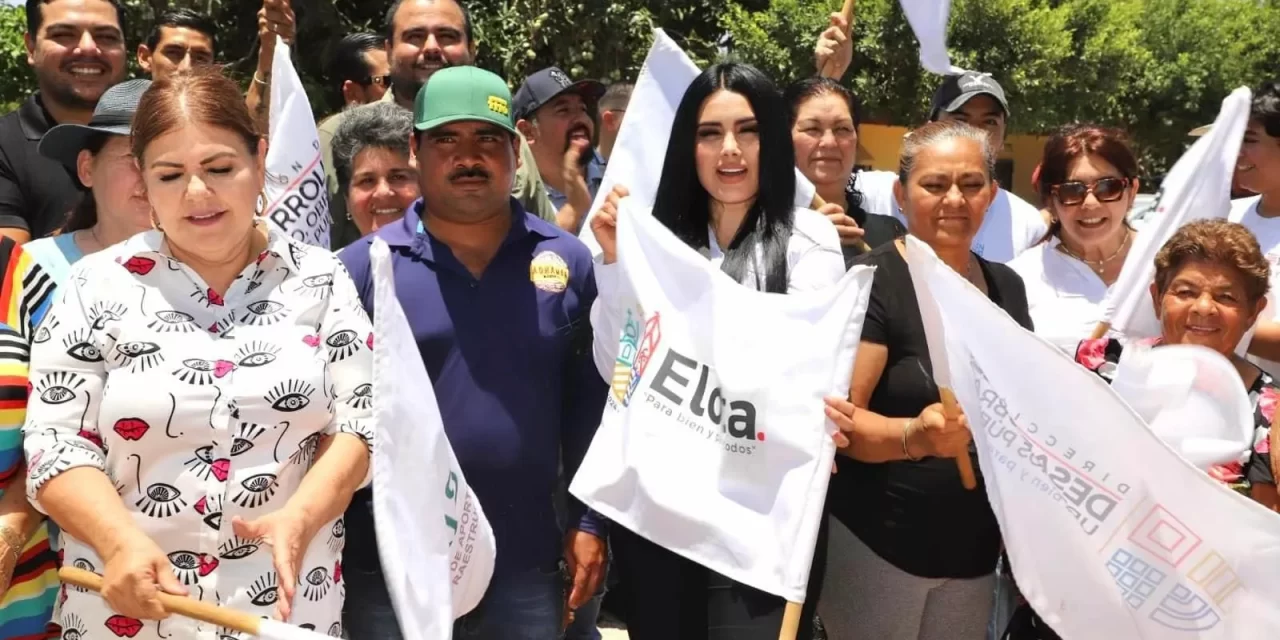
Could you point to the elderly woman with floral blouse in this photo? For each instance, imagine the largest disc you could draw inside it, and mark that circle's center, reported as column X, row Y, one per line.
column 200, row 403
column 1211, row 284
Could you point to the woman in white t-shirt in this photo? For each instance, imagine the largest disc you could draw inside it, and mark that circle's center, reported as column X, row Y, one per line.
column 1258, row 170
column 1088, row 180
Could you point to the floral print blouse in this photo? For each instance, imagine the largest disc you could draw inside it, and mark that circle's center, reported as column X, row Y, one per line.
column 1102, row 356
column 200, row 407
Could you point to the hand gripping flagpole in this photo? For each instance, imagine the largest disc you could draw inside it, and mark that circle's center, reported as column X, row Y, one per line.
column 847, row 12
column 202, row 611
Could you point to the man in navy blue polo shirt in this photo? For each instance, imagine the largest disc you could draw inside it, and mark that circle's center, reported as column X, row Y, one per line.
column 498, row 301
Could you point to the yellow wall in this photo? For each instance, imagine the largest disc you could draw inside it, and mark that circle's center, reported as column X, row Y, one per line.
column 878, row 147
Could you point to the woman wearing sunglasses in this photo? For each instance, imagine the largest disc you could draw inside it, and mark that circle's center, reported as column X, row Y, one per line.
column 1088, row 182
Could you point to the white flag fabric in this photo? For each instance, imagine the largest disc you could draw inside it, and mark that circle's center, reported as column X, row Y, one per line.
column 1197, row 187
column 1110, row 533
column 1191, row 397
column 436, row 545
column 275, row 630
column 297, row 201
column 641, row 148
column 928, row 19
column 714, row 443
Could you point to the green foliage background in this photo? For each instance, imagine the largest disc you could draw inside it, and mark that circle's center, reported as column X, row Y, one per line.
column 1156, row 68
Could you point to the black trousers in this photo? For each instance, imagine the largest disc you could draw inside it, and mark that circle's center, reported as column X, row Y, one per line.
column 666, row 597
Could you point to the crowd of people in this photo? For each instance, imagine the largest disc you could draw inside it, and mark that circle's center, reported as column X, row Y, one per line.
column 187, row 391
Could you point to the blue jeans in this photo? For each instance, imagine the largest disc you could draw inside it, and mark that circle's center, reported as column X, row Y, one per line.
column 525, row 606
column 586, row 617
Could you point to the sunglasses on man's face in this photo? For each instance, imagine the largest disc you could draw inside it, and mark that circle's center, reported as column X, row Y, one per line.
column 1105, row 190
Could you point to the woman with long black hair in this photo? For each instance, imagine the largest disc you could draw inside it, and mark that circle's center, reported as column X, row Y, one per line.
column 727, row 189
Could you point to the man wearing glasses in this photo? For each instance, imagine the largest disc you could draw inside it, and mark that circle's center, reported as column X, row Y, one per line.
column 359, row 70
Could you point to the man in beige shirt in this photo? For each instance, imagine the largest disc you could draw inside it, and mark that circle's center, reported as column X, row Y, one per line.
column 422, row 37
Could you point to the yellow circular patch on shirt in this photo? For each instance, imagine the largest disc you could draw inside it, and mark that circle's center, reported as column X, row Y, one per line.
column 549, row 272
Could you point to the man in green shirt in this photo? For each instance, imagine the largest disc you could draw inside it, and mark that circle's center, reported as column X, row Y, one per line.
column 424, row 36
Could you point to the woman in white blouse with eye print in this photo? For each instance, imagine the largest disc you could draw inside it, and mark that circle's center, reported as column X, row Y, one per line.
column 199, row 416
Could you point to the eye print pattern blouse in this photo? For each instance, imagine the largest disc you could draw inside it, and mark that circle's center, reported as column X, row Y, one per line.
column 200, row 407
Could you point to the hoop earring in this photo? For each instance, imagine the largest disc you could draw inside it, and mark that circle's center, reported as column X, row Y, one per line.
column 262, row 203
column 155, row 222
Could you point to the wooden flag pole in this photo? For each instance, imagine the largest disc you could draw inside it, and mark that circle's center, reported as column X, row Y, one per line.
column 1274, row 441
column 202, row 611
column 790, row 621
column 952, row 409
column 1100, row 330
column 847, row 12
column 818, row 202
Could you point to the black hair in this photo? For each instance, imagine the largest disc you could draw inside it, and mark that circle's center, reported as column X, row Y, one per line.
column 85, row 215
column 180, row 18
column 802, row 90
column 684, row 206
column 348, row 61
column 389, row 21
column 615, row 97
column 35, row 17
column 1266, row 108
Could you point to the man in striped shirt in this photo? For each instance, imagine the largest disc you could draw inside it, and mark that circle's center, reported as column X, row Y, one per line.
column 28, row 564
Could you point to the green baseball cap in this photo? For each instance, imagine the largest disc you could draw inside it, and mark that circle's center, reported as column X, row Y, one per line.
column 457, row 94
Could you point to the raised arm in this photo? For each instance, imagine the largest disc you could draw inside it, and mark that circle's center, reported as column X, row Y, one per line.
column 275, row 18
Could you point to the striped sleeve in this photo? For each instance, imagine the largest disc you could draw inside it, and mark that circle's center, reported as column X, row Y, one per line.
column 26, row 293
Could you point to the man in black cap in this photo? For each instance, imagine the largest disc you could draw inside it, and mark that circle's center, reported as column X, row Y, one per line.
column 77, row 50
column 554, row 115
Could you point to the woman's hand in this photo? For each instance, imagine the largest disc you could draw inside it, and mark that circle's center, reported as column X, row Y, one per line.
column 848, row 230
column 605, row 223
column 287, row 532
column 135, row 574
column 933, row 433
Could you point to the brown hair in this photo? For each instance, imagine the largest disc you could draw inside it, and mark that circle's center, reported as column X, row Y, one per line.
column 1215, row 241
column 202, row 95
column 1075, row 141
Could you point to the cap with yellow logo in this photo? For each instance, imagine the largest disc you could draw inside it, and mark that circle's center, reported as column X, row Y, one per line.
column 457, row 94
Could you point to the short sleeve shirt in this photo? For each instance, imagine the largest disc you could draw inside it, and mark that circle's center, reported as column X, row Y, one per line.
column 900, row 509
column 200, row 407
column 36, row 193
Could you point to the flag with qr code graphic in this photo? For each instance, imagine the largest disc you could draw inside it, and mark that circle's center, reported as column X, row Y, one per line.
column 1110, row 533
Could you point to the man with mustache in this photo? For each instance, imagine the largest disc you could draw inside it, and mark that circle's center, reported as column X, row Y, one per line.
column 554, row 114
column 77, row 50
column 422, row 37
column 498, row 301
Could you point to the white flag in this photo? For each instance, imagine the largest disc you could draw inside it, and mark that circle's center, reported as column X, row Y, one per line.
column 273, row 630
column 928, row 19
column 297, row 201
column 436, row 546
column 714, row 443
column 1109, row 532
column 1197, row 187
column 641, row 149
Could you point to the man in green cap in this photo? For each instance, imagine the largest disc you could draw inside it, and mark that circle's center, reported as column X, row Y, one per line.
column 422, row 37
column 499, row 302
